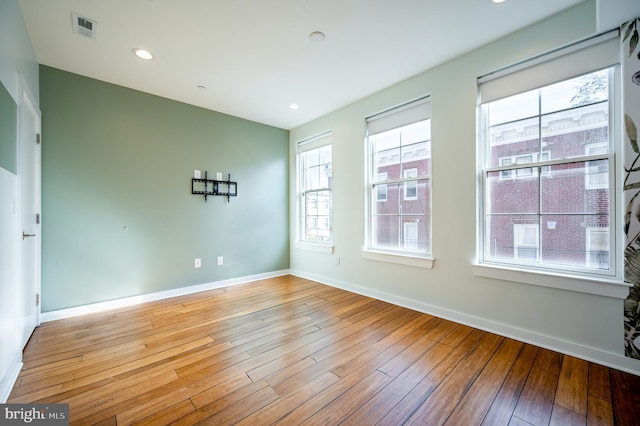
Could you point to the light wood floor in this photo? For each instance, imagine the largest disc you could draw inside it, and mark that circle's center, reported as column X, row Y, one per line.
column 291, row 351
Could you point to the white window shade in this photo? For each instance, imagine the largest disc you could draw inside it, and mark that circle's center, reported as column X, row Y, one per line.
column 314, row 142
column 409, row 113
column 571, row 61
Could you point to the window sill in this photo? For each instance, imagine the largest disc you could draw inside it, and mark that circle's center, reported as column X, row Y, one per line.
column 317, row 247
column 601, row 287
column 400, row 259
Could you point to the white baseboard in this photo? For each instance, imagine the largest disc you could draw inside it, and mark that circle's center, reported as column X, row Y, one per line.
column 609, row 359
column 151, row 297
column 9, row 379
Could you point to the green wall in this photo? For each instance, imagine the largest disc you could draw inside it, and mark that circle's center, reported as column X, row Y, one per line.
column 119, row 218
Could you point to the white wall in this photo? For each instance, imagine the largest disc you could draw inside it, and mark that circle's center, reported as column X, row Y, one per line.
column 16, row 58
column 585, row 325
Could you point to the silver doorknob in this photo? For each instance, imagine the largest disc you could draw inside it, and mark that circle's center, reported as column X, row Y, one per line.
column 27, row 235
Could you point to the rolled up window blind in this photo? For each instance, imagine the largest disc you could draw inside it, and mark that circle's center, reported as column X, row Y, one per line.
column 579, row 58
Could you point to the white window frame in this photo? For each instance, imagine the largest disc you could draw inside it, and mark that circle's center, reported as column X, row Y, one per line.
column 393, row 118
column 306, row 145
column 592, row 54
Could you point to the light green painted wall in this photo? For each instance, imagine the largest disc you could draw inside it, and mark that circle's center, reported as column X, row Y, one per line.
column 591, row 321
column 114, row 158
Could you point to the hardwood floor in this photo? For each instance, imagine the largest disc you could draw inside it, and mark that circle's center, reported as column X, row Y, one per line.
column 291, row 351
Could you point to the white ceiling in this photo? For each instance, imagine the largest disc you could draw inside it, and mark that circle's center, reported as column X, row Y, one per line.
column 255, row 57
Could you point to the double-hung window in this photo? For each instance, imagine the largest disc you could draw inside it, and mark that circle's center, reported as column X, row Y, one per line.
column 546, row 161
column 399, row 180
column 314, row 190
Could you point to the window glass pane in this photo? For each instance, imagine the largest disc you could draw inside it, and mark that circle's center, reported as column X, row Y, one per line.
column 513, row 108
column 513, row 139
column 311, row 178
column 317, row 168
column 311, row 157
column 417, row 157
column 597, row 174
column 317, row 220
column 386, row 157
column 410, row 187
column 513, row 236
column 513, row 195
column 386, row 140
column 381, row 188
column 583, row 90
column 416, row 199
column 565, row 133
column 598, row 243
column 564, row 189
column 417, row 132
column 385, row 231
column 565, row 242
column 414, row 233
column 391, row 205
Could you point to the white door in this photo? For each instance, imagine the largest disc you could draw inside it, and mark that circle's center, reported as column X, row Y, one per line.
column 29, row 178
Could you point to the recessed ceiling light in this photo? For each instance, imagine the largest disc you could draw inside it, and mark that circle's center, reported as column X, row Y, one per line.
column 498, row 1
column 294, row 106
column 142, row 54
column 317, row 36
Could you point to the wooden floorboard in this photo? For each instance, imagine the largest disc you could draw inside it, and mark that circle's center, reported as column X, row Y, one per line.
column 291, row 351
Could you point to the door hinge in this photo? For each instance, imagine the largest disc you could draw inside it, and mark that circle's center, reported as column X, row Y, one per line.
column 38, row 218
column 37, row 137
column 38, row 299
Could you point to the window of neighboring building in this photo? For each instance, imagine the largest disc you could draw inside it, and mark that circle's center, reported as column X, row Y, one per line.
column 314, row 189
column 399, row 180
column 598, row 247
column 547, row 155
column 526, row 241
column 521, row 159
column 381, row 189
column 597, row 174
column 410, row 186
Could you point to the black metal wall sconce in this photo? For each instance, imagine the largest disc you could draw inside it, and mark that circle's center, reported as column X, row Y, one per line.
column 207, row 187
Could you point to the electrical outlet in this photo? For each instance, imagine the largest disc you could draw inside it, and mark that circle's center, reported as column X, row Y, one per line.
column 218, row 176
column 197, row 263
column 197, row 174
column 337, row 260
column 220, row 260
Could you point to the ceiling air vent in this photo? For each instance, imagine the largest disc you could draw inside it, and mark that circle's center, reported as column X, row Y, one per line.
column 84, row 26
